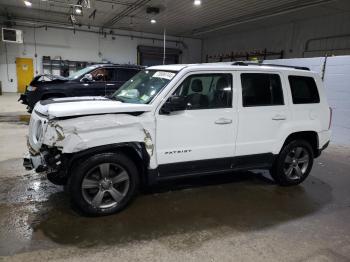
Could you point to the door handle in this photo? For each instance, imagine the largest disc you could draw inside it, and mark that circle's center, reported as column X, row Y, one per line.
column 223, row 121
column 279, row 117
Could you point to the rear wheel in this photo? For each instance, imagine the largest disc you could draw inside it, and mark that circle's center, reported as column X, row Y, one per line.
column 293, row 164
column 104, row 184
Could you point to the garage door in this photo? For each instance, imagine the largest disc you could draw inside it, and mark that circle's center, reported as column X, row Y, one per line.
column 150, row 55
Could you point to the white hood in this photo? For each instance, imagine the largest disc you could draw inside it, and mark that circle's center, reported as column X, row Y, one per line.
column 88, row 105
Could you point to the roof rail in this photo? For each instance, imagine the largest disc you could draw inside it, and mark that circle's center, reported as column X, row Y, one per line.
column 242, row 63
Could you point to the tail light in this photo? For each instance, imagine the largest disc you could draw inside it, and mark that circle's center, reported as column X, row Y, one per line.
column 330, row 117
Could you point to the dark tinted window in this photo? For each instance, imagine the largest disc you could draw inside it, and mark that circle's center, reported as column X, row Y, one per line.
column 261, row 89
column 207, row 91
column 125, row 74
column 304, row 90
column 103, row 74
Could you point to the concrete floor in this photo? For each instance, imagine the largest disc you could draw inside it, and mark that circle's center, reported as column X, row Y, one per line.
column 236, row 217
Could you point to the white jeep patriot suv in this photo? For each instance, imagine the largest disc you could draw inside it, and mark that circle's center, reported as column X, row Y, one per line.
column 180, row 120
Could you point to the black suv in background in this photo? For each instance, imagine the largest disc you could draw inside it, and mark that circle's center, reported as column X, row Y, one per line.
column 94, row 80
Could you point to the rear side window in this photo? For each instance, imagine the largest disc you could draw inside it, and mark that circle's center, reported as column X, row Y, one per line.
column 304, row 90
column 261, row 89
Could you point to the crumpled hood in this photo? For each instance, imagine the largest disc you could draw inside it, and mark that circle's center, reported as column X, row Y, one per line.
column 82, row 106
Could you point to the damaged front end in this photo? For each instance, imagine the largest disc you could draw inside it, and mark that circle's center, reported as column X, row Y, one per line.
column 49, row 161
column 54, row 143
column 44, row 157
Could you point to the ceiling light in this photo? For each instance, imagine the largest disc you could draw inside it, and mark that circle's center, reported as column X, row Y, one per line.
column 77, row 10
column 153, row 21
column 197, row 2
column 27, row 3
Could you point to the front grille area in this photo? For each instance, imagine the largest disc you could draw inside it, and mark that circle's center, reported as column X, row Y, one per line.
column 37, row 127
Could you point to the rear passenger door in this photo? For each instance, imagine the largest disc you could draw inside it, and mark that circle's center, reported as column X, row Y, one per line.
column 263, row 112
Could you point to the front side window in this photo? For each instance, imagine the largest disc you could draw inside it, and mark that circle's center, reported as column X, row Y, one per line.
column 304, row 90
column 143, row 87
column 102, row 74
column 81, row 72
column 206, row 91
column 260, row 89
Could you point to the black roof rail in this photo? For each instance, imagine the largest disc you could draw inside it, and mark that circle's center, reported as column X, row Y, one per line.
column 242, row 63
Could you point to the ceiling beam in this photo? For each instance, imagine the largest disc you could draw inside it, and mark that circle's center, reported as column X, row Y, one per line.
column 263, row 14
column 8, row 8
column 23, row 22
column 127, row 11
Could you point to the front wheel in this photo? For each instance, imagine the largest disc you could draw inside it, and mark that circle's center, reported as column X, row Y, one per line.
column 104, row 184
column 293, row 164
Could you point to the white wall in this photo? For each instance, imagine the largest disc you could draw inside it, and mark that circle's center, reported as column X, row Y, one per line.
column 290, row 37
column 81, row 46
column 337, row 84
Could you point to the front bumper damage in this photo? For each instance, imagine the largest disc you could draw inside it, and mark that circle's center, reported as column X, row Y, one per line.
column 36, row 162
column 49, row 164
column 45, row 161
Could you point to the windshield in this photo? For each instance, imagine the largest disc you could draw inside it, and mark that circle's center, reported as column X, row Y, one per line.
column 81, row 72
column 143, row 87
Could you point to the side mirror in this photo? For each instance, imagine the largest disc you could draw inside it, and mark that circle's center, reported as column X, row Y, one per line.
column 174, row 103
column 87, row 78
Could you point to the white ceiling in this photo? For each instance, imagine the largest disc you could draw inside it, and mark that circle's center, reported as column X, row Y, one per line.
column 178, row 17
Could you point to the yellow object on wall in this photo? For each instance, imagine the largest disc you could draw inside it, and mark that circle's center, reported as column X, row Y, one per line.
column 24, row 67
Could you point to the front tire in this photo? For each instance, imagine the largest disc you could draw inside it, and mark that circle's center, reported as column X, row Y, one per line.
column 104, row 184
column 293, row 164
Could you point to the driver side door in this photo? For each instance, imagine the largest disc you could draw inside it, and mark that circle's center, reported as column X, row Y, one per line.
column 200, row 138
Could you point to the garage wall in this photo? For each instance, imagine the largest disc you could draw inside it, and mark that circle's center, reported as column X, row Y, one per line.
column 81, row 46
column 337, row 84
column 290, row 37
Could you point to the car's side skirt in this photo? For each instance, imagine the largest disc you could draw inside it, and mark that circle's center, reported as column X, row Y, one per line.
column 211, row 166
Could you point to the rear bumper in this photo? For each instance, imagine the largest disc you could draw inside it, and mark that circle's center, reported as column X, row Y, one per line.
column 323, row 148
column 324, row 138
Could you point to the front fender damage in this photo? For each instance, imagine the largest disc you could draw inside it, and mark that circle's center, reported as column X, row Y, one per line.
column 77, row 134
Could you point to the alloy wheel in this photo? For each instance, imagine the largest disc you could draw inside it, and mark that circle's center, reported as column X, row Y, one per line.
column 296, row 163
column 105, row 185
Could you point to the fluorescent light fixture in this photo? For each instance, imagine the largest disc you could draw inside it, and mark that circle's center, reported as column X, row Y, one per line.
column 153, row 21
column 197, row 2
column 27, row 3
column 77, row 10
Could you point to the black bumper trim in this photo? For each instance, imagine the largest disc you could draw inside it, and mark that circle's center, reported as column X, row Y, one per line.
column 322, row 149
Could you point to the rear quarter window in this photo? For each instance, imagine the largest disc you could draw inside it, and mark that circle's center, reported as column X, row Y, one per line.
column 304, row 90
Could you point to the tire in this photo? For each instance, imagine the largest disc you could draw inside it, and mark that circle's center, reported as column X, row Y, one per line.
column 293, row 164
column 103, row 184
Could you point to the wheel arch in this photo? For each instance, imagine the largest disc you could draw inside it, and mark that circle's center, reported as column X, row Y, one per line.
column 136, row 151
column 309, row 136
